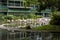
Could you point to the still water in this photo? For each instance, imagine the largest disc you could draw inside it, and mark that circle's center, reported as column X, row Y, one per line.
column 24, row 35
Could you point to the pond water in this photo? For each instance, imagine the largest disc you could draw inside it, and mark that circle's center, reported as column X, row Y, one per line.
column 24, row 35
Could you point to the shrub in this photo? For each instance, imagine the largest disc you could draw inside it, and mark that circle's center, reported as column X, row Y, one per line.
column 45, row 27
column 9, row 17
column 55, row 20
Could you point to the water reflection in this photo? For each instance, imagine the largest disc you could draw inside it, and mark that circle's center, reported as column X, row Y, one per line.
column 24, row 35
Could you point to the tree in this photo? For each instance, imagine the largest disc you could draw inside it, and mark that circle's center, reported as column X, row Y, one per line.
column 32, row 3
column 53, row 4
column 55, row 20
column 43, row 4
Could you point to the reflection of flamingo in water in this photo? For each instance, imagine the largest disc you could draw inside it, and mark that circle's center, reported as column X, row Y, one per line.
column 39, row 38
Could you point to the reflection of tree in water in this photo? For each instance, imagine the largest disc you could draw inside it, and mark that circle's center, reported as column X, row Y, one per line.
column 4, row 34
column 28, row 27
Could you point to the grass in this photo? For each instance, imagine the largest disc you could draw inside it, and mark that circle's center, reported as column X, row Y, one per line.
column 45, row 27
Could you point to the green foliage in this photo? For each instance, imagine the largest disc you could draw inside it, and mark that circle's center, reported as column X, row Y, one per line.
column 55, row 20
column 2, row 20
column 42, row 4
column 1, row 17
column 17, row 17
column 52, row 4
column 31, row 2
column 38, row 16
column 45, row 27
column 9, row 17
column 31, row 15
